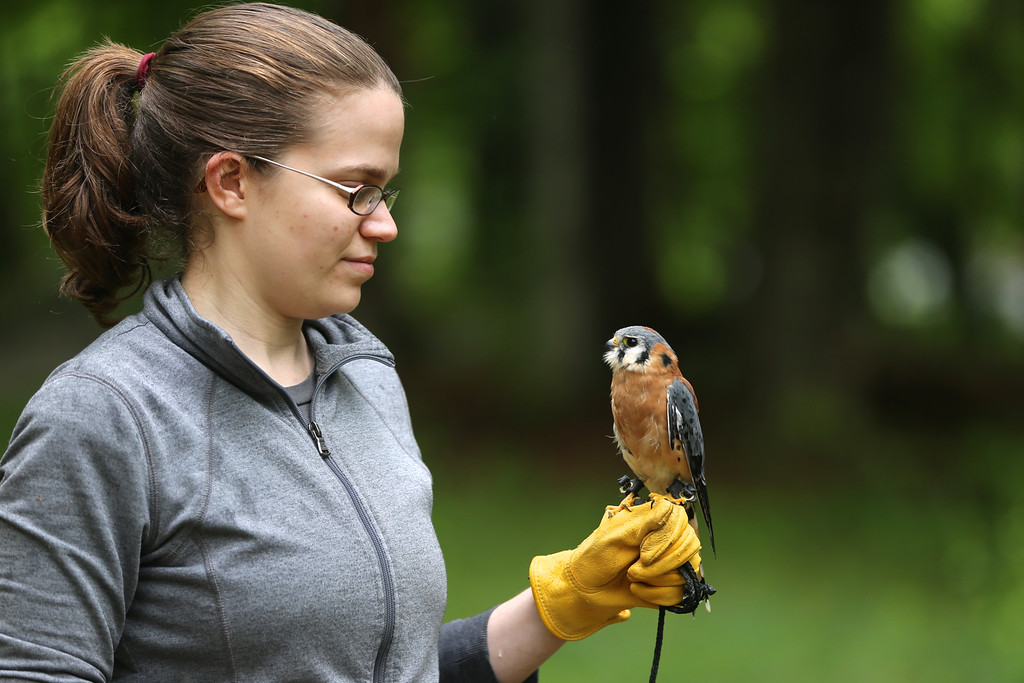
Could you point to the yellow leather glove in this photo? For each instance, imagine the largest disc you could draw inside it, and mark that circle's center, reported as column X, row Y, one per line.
column 655, row 577
column 580, row 591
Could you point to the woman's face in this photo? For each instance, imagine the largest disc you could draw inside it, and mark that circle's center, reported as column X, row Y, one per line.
column 310, row 254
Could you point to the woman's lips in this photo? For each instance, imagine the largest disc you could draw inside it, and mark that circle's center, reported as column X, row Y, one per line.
column 362, row 264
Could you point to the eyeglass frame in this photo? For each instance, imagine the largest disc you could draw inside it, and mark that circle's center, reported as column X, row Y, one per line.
column 388, row 197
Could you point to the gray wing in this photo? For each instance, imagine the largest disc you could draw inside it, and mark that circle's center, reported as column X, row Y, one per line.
column 684, row 428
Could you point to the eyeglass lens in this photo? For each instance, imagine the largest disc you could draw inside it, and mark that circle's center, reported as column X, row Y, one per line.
column 367, row 197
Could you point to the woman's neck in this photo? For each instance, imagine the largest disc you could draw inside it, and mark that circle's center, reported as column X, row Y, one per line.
column 275, row 344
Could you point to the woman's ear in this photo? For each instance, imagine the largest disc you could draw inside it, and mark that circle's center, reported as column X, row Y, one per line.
column 226, row 179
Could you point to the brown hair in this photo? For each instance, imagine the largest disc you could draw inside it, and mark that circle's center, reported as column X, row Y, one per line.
column 122, row 164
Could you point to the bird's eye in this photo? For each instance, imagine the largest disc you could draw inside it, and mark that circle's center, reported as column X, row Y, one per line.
column 631, row 341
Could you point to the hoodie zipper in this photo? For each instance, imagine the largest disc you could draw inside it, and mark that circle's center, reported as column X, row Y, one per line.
column 314, row 431
column 388, row 579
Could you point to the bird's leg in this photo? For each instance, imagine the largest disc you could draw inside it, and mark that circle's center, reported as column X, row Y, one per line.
column 695, row 591
column 629, row 487
column 681, row 491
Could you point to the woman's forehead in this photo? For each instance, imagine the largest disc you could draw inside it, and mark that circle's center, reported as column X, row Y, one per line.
column 359, row 129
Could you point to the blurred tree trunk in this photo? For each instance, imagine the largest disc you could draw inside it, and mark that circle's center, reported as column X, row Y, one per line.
column 624, row 92
column 594, row 80
column 556, row 275
column 821, row 160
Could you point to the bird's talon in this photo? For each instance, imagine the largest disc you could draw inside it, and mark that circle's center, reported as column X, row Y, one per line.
column 681, row 491
column 670, row 499
column 632, row 501
column 626, row 503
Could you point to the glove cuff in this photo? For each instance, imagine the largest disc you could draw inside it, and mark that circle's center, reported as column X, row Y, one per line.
column 569, row 610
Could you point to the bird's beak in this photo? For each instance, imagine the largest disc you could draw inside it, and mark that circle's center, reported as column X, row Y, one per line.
column 611, row 344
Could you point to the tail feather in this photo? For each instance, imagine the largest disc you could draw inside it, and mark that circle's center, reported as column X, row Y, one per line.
column 705, row 509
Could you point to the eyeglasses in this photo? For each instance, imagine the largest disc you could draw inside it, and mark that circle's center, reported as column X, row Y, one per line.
column 362, row 199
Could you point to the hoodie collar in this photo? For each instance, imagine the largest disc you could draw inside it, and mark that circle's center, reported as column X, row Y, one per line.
column 333, row 340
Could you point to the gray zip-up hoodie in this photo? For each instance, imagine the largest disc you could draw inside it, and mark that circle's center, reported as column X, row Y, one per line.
column 166, row 514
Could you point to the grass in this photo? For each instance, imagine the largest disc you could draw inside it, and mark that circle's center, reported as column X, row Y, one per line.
column 812, row 588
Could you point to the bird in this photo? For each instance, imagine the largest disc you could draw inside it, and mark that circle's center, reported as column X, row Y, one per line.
column 658, row 432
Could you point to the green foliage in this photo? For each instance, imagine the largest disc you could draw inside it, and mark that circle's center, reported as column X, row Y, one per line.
column 817, row 203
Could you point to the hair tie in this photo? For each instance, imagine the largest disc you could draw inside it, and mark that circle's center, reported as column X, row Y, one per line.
column 143, row 71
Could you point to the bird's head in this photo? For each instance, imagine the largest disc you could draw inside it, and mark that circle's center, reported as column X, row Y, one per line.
column 630, row 348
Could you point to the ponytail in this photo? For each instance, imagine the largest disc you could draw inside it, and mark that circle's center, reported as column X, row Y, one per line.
column 90, row 212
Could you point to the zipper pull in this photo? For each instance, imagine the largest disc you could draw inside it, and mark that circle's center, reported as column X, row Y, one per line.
column 318, row 439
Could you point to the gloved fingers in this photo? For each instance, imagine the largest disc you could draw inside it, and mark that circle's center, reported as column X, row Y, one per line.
column 640, row 574
column 608, row 552
column 663, row 572
column 671, row 546
column 630, row 525
column 668, row 560
column 655, row 533
column 655, row 596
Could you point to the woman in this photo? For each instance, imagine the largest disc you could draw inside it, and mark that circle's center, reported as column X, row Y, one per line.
column 225, row 486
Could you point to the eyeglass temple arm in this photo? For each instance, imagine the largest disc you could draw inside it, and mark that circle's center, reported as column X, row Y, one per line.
column 350, row 190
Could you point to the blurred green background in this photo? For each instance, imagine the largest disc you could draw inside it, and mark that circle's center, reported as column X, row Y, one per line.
column 817, row 203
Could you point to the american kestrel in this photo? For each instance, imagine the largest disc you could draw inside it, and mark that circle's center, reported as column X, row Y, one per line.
column 656, row 425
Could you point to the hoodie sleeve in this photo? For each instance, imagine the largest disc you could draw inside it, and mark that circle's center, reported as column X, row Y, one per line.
column 74, row 511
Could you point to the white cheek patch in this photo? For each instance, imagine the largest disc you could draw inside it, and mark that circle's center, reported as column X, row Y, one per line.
column 635, row 357
column 628, row 358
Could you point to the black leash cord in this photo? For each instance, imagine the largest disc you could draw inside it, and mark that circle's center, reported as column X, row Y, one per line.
column 657, row 644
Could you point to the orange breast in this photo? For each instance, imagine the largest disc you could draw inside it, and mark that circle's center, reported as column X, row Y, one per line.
column 638, row 408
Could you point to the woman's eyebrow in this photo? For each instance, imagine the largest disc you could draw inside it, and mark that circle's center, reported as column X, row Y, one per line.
column 369, row 171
